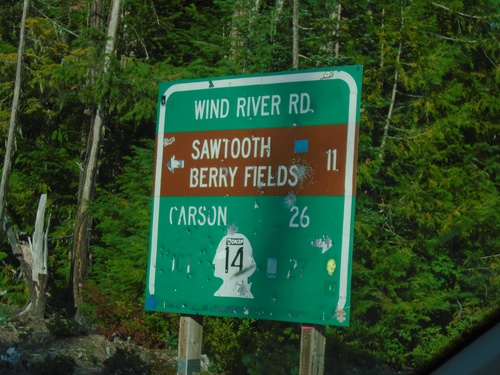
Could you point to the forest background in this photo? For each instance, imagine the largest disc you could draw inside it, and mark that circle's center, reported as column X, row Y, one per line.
column 426, row 251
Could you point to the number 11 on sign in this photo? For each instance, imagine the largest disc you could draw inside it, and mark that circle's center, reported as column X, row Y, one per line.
column 331, row 161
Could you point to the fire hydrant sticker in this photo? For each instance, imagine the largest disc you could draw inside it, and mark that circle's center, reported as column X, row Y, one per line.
column 234, row 264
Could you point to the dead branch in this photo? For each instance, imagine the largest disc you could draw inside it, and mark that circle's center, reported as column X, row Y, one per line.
column 455, row 39
column 460, row 13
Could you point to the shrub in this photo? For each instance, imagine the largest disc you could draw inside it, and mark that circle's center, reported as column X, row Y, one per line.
column 127, row 318
column 60, row 327
column 125, row 362
column 249, row 346
column 5, row 314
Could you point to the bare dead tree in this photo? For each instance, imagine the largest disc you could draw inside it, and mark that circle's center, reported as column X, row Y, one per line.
column 393, row 95
column 33, row 255
column 89, row 171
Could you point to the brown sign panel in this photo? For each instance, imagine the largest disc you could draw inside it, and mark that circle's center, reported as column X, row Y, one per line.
column 271, row 161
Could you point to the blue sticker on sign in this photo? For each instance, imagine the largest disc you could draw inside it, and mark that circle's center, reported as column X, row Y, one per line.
column 301, row 145
column 150, row 303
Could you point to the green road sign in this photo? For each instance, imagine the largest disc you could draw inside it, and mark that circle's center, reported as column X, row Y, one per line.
column 253, row 196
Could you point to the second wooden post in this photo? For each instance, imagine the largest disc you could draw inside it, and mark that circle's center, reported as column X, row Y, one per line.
column 312, row 350
column 190, row 340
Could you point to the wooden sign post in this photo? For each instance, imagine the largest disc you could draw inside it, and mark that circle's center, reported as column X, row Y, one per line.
column 190, row 339
column 312, row 350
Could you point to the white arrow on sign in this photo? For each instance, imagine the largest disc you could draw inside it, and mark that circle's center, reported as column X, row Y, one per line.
column 172, row 164
column 324, row 243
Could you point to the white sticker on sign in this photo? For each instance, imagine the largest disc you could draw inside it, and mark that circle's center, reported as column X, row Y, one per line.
column 234, row 264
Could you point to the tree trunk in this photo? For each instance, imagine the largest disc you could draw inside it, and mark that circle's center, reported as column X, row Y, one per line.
column 276, row 17
column 333, row 45
column 393, row 95
column 295, row 27
column 33, row 256
column 9, row 149
column 243, row 16
column 382, row 46
column 337, row 30
column 237, row 41
column 87, row 182
column 39, row 252
column 391, row 106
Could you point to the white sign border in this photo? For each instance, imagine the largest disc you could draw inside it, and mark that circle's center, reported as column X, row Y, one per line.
column 267, row 80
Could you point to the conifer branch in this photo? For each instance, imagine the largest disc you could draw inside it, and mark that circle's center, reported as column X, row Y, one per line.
column 154, row 12
column 460, row 13
column 54, row 22
column 409, row 137
column 489, row 59
column 409, row 95
column 491, row 256
column 461, row 309
column 142, row 42
column 455, row 39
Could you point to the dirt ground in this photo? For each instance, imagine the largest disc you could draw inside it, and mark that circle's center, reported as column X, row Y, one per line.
column 35, row 346
column 25, row 344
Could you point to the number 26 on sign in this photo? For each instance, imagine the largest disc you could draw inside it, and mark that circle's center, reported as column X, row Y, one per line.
column 296, row 220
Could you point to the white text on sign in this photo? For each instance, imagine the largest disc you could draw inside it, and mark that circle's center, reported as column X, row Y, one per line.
column 252, row 106
column 257, row 147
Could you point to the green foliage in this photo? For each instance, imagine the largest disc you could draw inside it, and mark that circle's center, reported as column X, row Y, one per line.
column 222, row 342
column 273, row 348
column 426, row 219
column 13, row 290
column 122, row 217
column 5, row 314
column 124, row 362
column 343, row 357
column 126, row 318
column 117, row 276
column 239, row 346
column 61, row 327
